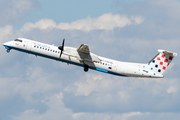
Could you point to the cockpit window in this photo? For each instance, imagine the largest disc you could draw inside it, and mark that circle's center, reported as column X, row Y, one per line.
column 18, row 40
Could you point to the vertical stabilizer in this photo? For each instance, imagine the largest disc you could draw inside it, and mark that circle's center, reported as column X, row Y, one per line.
column 161, row 61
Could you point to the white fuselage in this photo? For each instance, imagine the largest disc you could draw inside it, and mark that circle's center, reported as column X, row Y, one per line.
column 72, row 56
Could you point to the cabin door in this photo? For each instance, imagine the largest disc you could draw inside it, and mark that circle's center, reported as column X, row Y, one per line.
column 114, row 67
column 29, row 45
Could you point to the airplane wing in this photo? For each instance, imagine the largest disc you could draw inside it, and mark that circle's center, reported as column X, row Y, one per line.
column 84, row 49
column 87, row 56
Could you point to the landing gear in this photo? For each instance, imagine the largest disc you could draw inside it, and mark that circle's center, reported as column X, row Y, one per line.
column 8, row 50
column 86, row 67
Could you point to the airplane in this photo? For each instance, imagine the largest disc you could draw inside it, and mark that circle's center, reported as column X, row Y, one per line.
column 83, row 57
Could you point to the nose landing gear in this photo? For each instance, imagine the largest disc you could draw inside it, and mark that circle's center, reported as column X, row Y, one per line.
column 8, row 50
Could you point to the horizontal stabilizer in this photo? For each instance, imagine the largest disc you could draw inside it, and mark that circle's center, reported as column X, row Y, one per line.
column 167, row 52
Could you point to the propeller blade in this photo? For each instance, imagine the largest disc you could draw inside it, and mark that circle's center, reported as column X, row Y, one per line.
column 61, row 48
column 63, row 44
column 60, row 54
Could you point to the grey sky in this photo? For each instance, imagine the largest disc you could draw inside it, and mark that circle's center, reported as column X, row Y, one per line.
column 41, row 89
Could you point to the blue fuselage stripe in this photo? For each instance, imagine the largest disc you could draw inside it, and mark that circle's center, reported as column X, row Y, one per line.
column 101, row 70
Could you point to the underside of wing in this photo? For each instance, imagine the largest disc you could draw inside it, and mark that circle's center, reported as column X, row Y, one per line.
column 84, row 49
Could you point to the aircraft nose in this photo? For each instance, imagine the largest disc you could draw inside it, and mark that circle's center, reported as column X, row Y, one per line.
column 7, row 45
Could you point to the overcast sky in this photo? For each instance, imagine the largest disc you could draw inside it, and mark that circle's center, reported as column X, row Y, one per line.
column 36, row 88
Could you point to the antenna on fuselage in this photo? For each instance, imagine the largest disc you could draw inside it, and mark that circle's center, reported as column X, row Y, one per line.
column 61, row 48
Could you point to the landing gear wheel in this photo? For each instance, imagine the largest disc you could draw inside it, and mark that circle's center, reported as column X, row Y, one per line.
column 8, row 50
column 86, row 68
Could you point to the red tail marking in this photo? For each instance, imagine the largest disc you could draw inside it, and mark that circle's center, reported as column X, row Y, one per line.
column 164, row 68
column 165, row 60
column 170, row 57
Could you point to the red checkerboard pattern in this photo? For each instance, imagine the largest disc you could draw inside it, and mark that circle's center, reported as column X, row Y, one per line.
column 170, row 57
column 162, row 61
column 164, row 68
column 166, row 60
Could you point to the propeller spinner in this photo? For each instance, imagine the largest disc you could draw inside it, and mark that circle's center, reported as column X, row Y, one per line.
column 61, row 48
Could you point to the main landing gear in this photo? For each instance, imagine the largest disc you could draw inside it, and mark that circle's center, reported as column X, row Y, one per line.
column 86, row 67
column 8, row 50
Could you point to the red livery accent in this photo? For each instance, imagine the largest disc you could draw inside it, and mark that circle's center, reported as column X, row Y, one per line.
column 165, row 60
column 167, row 64
column 163, row 56
column 161, row 63
column 170, row 57
column 158, row 58
column 164, row 68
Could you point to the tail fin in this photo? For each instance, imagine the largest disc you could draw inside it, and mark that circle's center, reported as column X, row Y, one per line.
column 161, row 61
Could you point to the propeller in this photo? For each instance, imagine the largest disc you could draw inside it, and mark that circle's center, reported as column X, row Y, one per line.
column 61, row 48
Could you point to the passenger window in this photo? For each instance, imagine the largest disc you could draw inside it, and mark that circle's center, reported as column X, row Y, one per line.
column 40, row 47
column 34, row 46
column 53, row 50
column 48, row 49
column 56, row 52
column 45, row 48
column 37, row 46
